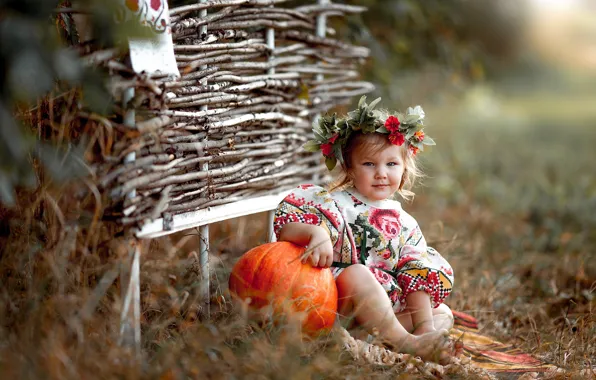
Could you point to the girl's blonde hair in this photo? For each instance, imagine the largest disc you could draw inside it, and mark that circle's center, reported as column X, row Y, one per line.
column 374, row 143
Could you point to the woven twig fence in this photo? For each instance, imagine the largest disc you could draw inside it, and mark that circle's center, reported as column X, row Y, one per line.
column 254, row 75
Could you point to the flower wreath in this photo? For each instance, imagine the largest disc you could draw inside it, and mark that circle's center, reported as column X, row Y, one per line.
column 332, row 133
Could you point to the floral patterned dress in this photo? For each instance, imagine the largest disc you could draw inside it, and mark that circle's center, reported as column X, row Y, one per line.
column 378, row 234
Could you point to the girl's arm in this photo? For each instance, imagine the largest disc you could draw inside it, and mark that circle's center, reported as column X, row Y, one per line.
column 314, row 238
column 418, row 304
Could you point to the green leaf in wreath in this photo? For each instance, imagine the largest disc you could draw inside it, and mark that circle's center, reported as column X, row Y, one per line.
column 362, row 101
column 376, row 114
column 317, row 125
column 354, row 122
column 311, row 146
column 416, row 111
column 428, row 141
column 417, row 144
column 320, row 137
column 373, row 104
column 317, row 129
column 343, row 127
column 337, row 149
column 412, row 130
column 326, row 124
column 410, row 119
column 369, row 127
column 362, row 116
column 330, row 162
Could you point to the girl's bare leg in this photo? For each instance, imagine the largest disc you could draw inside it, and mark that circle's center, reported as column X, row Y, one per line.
column 363, row 298
column 442, row 319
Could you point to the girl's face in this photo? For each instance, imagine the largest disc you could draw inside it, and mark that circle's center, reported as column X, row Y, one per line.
column 377, row 175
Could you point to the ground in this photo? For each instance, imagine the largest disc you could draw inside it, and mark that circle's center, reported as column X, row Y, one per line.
column 509, row 199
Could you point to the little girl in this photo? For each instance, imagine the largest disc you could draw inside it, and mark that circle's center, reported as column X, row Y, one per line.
column 389, row 281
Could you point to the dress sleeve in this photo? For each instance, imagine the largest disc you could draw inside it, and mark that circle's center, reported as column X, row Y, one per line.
column 422, row 268
column 309, row 204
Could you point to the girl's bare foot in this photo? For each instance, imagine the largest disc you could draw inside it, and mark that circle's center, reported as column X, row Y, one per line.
column 424, row 329
column 434, row 346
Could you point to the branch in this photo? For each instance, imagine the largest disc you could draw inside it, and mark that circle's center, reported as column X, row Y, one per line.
column 154, row 124
column 324, row 8
column 193, row 23
column 253, row 43
column 221, row 3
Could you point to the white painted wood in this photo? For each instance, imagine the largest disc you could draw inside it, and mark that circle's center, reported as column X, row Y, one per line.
column 130, row 315
column 210, row 215
column 321, row 32
column 270, row 234
column 321, row 28
column 204, row 264
column 322, row 20
column 129, row 119
column 204, row 229
column 155, row 54
column 130, row 323
column 271, row 45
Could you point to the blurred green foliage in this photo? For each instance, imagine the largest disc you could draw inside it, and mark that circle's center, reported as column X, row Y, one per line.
column 463, row 41
column 521, row 164
column 37, row 56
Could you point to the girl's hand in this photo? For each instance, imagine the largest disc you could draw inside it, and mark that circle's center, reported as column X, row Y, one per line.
column 319, row 250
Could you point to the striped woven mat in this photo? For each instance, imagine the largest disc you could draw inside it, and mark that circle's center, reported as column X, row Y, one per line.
column 492, row 355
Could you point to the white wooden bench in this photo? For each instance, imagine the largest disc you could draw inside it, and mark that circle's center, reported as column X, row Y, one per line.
column 130, row 275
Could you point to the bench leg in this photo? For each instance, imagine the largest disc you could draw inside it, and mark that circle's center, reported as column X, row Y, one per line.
column 130, row 317
column 270, row 233
column 204, row 264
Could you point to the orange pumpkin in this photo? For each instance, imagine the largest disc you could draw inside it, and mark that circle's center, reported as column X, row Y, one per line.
column 272, row 274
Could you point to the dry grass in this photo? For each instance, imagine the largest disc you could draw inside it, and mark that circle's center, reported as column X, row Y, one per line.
column 513, row 214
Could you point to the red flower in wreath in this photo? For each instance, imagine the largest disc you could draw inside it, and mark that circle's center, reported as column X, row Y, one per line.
column 327, row 149
column 333, row 138
column 392, row 124
column 397, row 138
column 419, row 135
column 413, row 149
